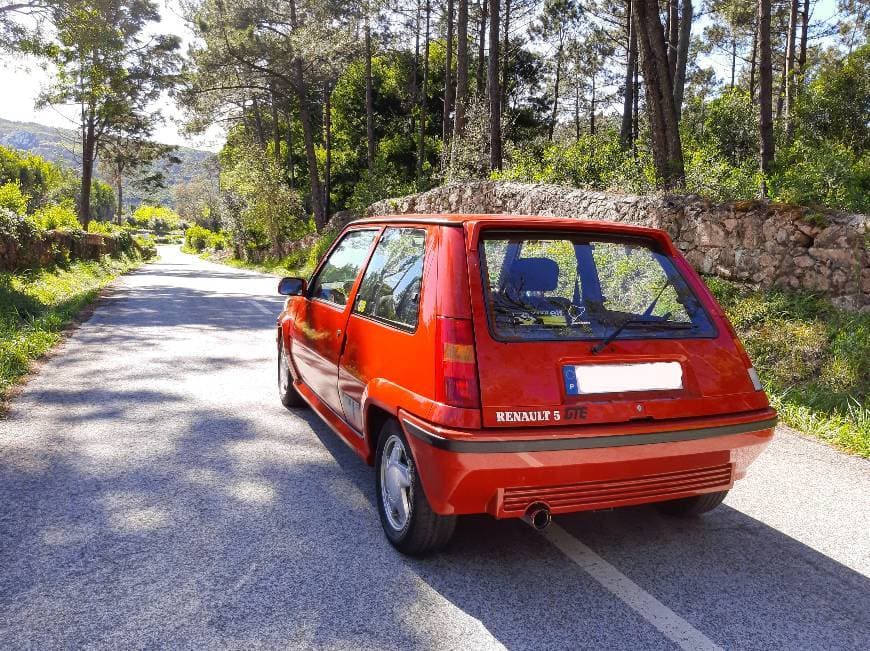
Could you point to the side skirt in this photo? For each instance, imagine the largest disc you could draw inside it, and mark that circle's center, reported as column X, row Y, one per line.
column 354, row 439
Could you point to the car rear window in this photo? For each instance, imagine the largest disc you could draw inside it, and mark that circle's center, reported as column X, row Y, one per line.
column 543, row 286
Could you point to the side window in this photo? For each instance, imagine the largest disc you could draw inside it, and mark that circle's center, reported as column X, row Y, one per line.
column 338, row 273
column 390, row 288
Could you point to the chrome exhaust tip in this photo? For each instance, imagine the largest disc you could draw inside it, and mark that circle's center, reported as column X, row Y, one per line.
column 537, row 516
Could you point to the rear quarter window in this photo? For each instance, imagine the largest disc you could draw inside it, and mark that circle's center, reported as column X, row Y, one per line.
column 390, row 288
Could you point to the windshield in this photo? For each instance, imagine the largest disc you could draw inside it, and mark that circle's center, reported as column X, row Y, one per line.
column 557, row 287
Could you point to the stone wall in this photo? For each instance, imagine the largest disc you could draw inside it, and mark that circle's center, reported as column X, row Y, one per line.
column 49, row 247
column 794, row 247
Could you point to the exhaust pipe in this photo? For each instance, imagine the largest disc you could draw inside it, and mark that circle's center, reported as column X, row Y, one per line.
column 537, row 516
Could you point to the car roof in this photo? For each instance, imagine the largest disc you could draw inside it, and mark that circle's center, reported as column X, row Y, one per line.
column 512, row 220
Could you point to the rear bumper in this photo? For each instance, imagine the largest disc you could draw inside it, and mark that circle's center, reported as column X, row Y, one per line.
column 579, row 469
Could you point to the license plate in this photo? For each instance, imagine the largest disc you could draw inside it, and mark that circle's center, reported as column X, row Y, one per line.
column 585, row 379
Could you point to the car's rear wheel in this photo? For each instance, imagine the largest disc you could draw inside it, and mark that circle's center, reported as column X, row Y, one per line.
column 286, row 391
column 691, row 506
column 409, row 522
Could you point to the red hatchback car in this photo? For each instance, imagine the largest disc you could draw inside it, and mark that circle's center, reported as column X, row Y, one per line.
column 521, row 367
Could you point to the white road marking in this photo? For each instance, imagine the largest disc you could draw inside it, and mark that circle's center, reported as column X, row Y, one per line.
column 264, row 309
column 671, row 625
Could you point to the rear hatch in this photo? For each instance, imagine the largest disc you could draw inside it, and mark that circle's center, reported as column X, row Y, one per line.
column 581, row 327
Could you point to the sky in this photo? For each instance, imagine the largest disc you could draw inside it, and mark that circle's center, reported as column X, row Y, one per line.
column 22, row 79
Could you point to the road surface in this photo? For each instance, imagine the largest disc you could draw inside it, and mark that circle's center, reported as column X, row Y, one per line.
column 154, row 493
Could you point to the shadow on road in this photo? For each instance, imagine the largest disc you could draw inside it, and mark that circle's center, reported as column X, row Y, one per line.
column 744, row 584
column 154, row 493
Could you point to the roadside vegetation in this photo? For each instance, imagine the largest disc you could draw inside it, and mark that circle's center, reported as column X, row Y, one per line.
column 36, row 306
column 813, row 359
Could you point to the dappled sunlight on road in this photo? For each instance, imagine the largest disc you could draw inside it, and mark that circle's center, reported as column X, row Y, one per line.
column 153, row 492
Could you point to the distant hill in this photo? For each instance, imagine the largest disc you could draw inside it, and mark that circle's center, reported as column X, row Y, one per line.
column 61, row 146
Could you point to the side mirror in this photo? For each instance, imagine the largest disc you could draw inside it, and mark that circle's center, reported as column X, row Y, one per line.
column 291, row 286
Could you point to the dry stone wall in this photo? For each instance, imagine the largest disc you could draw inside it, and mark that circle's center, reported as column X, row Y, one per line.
column 768, row 244
column 49, row 247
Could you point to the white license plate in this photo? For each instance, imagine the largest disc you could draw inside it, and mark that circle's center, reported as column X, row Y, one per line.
column 583, row 379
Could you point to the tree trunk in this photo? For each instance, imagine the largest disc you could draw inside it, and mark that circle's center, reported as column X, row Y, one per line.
column 682, row 55
column 89, row 148
column 258, row 124
column 120, row 187
column 577, row 107
column 414, row 85
column 492, row 83
column 421, row 143
column 805, row 25
column 327, row 132
column 481, row 46
column 504, row 52
column 556, row 81
column 291, row 164
column 789, row 67
column 635, row 134
column 446, row 129
column 461, row 76
column 765, row 91
column 754, row 62
column 307, row 133
column 673, row 35
column 370, row 113
column 666, row 147
column 733, row 59
column 625, row 131
column 592, row 105
column 276, row 128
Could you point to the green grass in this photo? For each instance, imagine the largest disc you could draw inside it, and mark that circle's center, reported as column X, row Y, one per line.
column 813, row 359
column 35, row 306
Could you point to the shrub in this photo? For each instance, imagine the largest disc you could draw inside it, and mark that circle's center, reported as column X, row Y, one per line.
column 825, row 172
column 104, row 228
column 382, row 182
column 156, row 218
column 60, row 216
column 12, row 198
column 145, row 244
column 15, row 226
column 199, row 239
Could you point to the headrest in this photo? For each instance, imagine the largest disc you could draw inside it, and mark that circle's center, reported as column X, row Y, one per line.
column 533, row 275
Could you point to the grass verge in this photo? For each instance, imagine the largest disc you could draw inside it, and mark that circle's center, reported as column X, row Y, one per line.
column 35, row 307
column 813, row 359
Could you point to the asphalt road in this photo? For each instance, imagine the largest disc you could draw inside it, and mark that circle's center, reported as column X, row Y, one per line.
column 154, row 493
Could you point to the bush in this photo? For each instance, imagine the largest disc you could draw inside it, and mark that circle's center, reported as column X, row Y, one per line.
column 826, row 172
column 15, row 226
column 382, row 182
column 145, row 244
column 104, row 228
column 12, row 198
column 57, row 217
column 156, row 218
column 813, row 359
column 199, row 239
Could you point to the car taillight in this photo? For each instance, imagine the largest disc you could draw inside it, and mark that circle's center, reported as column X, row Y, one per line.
column 456, row 368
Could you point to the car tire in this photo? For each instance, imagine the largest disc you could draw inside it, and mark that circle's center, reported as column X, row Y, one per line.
column 419, row 530
column 688, row 507
column 290, row 397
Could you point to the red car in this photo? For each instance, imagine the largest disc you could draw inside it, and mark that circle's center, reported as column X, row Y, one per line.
column 521, row 367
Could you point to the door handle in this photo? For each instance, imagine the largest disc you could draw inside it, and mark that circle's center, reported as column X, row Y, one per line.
column 338, row 332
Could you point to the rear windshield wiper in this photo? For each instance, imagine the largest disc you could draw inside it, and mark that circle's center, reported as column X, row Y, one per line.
column 645, row 323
